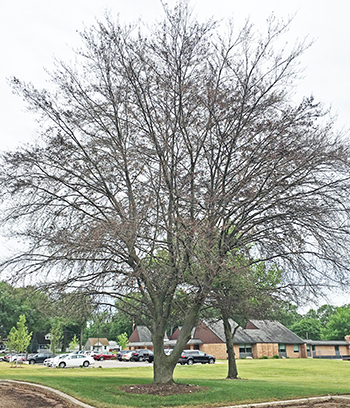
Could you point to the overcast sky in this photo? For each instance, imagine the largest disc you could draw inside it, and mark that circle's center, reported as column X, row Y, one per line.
column 33, row 32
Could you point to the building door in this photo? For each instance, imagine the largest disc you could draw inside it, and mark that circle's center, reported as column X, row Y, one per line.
column 337, row 351
column 282, row 351
column 308, row 350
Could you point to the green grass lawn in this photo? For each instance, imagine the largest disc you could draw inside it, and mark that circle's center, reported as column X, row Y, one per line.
column 262, row 380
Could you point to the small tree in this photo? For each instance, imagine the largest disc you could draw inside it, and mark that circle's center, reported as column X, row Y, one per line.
column 240, row 292
column 74, row 343
column 55, row 334
column 122, row 340
column 19, row 338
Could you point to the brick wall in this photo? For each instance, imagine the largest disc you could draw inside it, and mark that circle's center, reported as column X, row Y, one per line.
column 215, row 349
column 292, row 354
column 344, row 350
column 325, row 350
column 219, row 350
column 265, row 349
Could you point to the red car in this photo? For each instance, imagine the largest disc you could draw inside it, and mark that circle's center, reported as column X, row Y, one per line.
column 104, row 356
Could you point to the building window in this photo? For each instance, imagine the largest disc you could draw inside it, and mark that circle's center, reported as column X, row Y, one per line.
column 282, row 348
column 245, row 348
column 296, row 348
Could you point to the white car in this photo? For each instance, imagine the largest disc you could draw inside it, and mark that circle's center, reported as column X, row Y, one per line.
column 49, row 362
column 74, row 360
column 127, row 356
column 16, row 357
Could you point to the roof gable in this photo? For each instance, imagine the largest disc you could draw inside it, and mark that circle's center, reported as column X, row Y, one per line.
column 208, row 333
column 101, row 340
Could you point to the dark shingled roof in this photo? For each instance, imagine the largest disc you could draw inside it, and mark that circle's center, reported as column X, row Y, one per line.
column 264, row 331
column 141, row 336
column 326, row 342
column 258, row 331
column 144, row 333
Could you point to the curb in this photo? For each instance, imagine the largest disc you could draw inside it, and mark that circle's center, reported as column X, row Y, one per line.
column 60, row 393
column 301, row 401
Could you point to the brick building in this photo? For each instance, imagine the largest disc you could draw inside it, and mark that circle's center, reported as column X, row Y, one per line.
column 329, row 349
column 258, row 339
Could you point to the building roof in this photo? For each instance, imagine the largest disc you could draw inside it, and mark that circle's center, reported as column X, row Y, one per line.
column 266, row 331
column 95, row 340
column 256, row 331
column 141, row 336
column 326, row 342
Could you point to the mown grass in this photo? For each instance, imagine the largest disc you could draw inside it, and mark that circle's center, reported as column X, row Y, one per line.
column 262, row 380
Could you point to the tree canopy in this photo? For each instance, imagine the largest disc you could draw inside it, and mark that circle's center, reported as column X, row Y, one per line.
column 164, row 152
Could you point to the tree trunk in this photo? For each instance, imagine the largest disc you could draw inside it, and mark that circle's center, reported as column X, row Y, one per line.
column 163, row 366
column 81, row 338
column 232, row 366
column 163, row 370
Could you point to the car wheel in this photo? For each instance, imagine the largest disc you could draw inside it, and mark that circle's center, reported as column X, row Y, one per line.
column 31, row 361
column 62, row 364
column 101, row 359
column 190, row 361
column 86, row 364
column 211, row 361
column 140, row 358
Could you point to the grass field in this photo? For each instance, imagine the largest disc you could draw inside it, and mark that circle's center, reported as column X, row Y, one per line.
column 262, row 380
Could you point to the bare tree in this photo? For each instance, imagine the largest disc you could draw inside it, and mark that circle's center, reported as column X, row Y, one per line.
column 160, row 153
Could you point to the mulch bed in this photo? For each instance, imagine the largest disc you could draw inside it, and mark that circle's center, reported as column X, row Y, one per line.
column 162, row 389
column 14, row 395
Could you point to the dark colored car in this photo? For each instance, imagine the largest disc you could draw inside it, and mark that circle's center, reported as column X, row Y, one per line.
column 142, row 355
column 39, row 357
column 195, row 356
column 121, row 353
column 106, row 355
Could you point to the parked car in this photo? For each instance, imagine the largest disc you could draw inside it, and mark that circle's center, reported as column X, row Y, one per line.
column 92, row 353
column 195, row 356
column 6, row 357
column 14, row 357
column 49, row 362
column 74, row 360
column 120, row 354
column 127, row 356
column 106, row 355
column 142, row 355
column 39, row 357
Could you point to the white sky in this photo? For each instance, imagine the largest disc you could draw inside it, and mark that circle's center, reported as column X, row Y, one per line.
column 32, row 32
